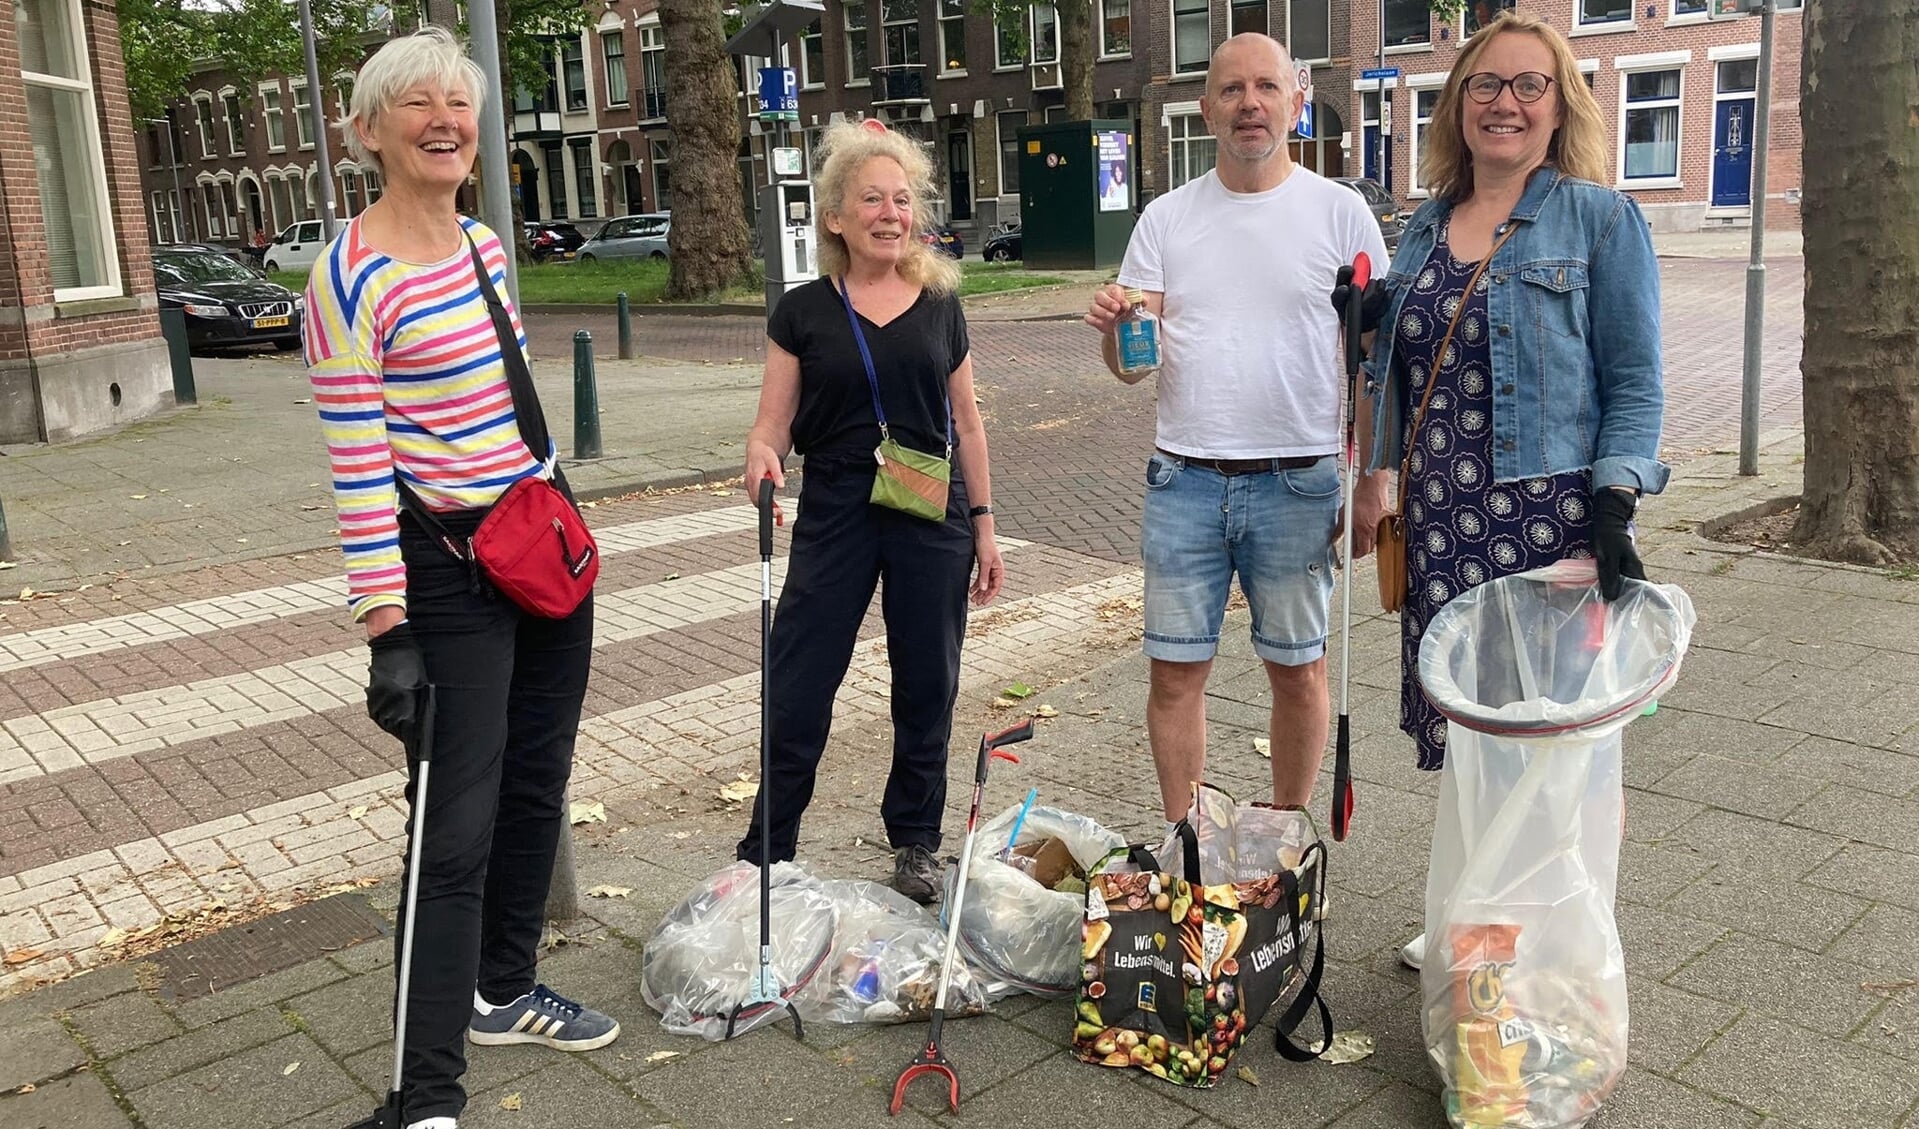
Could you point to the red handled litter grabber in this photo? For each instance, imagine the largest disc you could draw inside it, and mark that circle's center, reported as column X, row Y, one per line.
column 764, row 990
column 1354, row 278
column 931, row 1059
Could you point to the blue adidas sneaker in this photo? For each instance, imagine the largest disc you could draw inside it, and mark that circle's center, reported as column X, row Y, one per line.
column 543, row 1016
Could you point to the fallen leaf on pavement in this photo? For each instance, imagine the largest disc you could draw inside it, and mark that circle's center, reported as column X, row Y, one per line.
column 1247, row 1076
column 1263, row 747
column 739, row 791
column 357, row 811
column 609, row 891
column 1349, row 1046
column 662, row 1056
column 27, row 1089
column 672, row 576
column 586, row 811
column 1018, row 690
column 1003, row 703
column 511, row 1103
column 138, row 497
column 21, row 956
column 5, row 565
column 290, row 1068
column 303, row 401
column 1046, row 711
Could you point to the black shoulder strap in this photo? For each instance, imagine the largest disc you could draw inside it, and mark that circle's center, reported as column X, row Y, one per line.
column 1309, row 997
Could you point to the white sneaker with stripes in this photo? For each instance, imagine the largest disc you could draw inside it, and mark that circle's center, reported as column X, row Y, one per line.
column 541, row 1016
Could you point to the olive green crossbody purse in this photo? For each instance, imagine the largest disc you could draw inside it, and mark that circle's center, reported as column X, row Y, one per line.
column 910, row 481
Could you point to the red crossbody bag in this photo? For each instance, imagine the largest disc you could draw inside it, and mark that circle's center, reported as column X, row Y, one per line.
column 532, row 545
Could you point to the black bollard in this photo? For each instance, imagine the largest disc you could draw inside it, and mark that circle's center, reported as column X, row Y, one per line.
column 626, row 328
column 586, row 399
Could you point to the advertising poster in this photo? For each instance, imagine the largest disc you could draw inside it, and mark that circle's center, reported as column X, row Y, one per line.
column 1115, row 190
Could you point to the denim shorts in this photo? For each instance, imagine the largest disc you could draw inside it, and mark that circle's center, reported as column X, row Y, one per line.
column 1274, row 529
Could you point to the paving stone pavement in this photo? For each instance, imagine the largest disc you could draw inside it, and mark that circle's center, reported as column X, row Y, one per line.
column 1766, row 900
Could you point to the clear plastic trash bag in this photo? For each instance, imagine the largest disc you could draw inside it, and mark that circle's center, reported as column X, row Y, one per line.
column 1524, row 983
column 1239, row 842
column 701, row 961
column 885, row 964
column 1014, row 930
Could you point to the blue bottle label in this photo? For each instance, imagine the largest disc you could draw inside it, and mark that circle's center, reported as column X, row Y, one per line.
column 1138, row 344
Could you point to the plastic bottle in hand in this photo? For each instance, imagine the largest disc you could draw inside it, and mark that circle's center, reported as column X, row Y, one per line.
column 1138, row 335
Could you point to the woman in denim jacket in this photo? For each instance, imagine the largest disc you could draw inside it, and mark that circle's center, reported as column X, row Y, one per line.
column 1542, row 427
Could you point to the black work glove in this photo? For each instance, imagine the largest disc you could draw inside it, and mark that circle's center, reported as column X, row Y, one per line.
column 396, row 679
column 1372, row 302
column 1612, row 541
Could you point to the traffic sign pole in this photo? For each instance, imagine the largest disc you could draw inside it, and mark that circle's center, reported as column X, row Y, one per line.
column 1756, row 268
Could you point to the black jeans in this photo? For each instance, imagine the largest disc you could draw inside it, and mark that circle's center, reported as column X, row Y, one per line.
column 510, row 687
column 843, row 546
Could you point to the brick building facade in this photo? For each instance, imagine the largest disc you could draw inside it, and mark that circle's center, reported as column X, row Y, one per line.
column 1676, row 89
column 80, row 344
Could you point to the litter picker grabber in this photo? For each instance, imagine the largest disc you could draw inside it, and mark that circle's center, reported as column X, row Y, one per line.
column 1355, row 278
column 931, row 1059
column 390, row 1115
column 764, row 991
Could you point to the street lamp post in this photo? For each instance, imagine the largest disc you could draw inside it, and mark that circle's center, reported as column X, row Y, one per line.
column 1756, row 267
column 1385, row 180
column 316, row 109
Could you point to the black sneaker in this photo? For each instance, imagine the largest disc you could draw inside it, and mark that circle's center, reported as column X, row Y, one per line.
column 916, row 874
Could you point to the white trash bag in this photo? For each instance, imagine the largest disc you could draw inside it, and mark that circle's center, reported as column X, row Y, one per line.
column 885, row 964
column 1524, row 982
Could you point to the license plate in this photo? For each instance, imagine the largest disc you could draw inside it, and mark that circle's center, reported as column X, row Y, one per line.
column 564, row 255
column 269, row 323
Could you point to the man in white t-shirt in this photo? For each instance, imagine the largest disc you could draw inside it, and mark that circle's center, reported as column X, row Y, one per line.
column 1245, row 480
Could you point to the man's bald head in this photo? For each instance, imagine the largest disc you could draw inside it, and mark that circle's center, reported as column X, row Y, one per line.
column 1255, row 48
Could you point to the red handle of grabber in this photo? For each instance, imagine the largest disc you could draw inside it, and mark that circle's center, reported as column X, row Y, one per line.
column 1362, row 270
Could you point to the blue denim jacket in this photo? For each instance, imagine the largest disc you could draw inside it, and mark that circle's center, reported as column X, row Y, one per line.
column 1573, row 299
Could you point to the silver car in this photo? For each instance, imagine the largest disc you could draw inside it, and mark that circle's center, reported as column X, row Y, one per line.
column 629, row 237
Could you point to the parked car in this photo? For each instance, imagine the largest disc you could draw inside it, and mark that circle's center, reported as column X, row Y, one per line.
column 226, row 303
column 296, row 248
column 629, row 237
column 946, row 241
column 550, row 240
column 1385, row 209
column 1003, row 246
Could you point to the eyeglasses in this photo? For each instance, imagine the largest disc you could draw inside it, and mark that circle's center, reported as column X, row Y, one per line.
column 1528, row 86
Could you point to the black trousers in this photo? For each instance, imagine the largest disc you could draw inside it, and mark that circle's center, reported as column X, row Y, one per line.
column 843, row 546
column 510, row 687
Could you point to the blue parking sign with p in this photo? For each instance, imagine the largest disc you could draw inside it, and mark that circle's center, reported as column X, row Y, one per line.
column 779, row 94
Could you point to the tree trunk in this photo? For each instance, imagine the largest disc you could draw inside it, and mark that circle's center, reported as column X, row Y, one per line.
column 1077, row 51
column 1861, row 217
column 708, row 245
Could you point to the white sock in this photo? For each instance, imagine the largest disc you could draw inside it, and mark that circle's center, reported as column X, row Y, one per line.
column 480, row 1005
column 434, row 1123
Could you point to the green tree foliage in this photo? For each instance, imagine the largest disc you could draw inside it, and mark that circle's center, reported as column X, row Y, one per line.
column 165, row 41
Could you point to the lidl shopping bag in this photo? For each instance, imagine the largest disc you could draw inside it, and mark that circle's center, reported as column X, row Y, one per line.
column 1175, row 971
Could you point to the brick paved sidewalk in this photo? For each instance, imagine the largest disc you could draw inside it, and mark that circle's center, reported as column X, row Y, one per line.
column 1766, row 898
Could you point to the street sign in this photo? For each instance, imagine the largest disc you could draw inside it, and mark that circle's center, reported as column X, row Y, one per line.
column 1305, row 126
column 786, row 162
column 779, row 94
column 1371, row 73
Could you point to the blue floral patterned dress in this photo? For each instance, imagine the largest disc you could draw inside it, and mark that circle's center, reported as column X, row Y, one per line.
column 1463, row 528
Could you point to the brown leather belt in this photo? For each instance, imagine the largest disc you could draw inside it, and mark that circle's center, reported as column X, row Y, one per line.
column 1231, row 467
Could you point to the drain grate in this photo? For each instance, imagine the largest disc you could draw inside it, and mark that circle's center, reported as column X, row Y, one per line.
column 220, row 961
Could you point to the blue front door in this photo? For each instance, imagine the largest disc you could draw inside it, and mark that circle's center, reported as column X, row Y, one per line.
column 1372, row 158
column 1732, row 154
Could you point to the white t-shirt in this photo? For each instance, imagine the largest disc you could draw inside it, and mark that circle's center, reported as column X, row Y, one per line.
column 1249, row 343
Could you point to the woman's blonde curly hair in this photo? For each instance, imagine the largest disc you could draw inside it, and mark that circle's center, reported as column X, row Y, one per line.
column 1578, row 147
column 844, row 150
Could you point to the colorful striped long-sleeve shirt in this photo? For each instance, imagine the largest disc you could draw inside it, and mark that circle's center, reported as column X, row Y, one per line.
column 407, row 376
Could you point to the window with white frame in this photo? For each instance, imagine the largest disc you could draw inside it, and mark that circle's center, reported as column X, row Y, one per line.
column 574, row 59
column 1651, row 149
column 1602, row 13
column 1009, row 123
column 374, row 185
column 1682, row 8
column 1244, row 16
column 349, row 193
column 952, row 20
column 1115, row 27
column 297, row 189
column 157, row 216
column 281, row 203
column 900, row 31
column 65, row 134
column 653, row 70
column 1408, row 23
column 236, row 125
column 1009, row 45
column 613, row 55
column 274, row 118
column 1192, row 36
column 1045, row 32
column 812, row 55
column 1191, row 148
column 1425, row 99
column 302, row 116
column 1479, row 13
column 660, row 157
column 859, row 67
column 1310, row 29
column 203, row 113
column 210, row 211
column 585, row 177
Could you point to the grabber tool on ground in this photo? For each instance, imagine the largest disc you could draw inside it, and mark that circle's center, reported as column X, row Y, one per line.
column 932, row 1059
column 1354, row 278
column 390, row 1115
column 764, row 992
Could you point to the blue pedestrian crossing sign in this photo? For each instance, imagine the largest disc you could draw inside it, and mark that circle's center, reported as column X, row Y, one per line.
column 1305, row 126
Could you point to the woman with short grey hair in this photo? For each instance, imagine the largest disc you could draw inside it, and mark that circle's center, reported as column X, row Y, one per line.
column 414, row 357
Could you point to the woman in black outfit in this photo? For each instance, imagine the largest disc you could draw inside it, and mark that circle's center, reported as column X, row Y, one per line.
column 883, row 287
